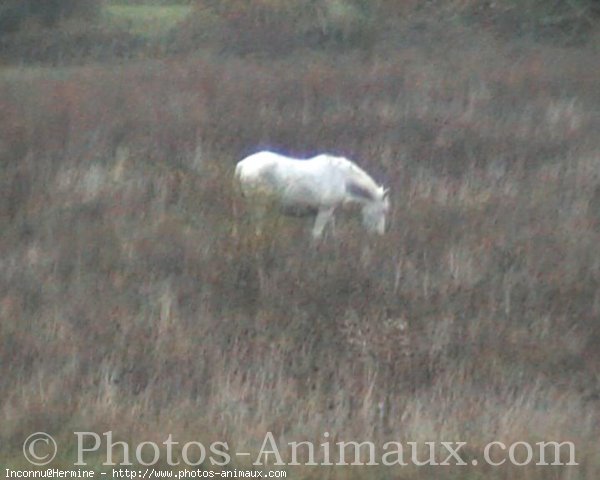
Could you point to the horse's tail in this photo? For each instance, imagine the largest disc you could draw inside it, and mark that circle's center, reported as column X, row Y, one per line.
column 237, row 194
column 238, row 170
column 237, row 180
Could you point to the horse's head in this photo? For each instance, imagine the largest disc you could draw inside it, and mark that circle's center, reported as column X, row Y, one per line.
column 375, row 211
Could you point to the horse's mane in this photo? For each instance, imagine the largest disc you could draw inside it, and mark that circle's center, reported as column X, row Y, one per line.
column 362, row 183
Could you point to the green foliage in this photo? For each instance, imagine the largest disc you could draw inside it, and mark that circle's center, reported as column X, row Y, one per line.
column 164, row 3
column 272, row 27
column 48, row 12
column 550, row 21
column 147, row 20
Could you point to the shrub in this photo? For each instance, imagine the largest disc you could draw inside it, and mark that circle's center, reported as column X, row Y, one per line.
column 271, row 27
column 13, row 13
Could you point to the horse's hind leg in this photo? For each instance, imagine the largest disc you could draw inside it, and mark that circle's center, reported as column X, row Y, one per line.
column 259, row 217
column 323, row 217
column 237, row 215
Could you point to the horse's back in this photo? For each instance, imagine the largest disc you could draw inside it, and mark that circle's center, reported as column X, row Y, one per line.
column 323, row 167
column 318, row 174
column 254, row 162
column 257, row 173
column 267, row 165
column 261, row 158
column 254, row 166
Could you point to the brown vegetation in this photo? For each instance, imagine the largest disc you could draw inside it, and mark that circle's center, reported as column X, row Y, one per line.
column 132, row 298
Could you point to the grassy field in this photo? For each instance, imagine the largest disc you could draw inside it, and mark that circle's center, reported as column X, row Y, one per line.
column 135, row 296
column 146, row 20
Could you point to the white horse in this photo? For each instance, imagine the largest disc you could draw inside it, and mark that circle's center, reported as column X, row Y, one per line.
column 316, row 185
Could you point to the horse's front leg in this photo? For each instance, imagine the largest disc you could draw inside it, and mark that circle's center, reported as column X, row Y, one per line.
column 324, row 216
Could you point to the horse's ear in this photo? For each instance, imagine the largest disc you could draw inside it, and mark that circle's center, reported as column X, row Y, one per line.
column 386, row 192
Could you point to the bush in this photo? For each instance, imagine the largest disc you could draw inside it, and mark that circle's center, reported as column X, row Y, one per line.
column 279, row 27
column 13, row 13
column 555, row 22
column 76, row 43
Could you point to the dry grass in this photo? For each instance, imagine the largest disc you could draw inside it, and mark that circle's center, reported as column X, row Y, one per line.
column 133, row 300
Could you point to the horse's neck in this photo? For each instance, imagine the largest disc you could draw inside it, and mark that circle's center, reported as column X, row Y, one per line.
column 355, row 172
column 362, row 180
